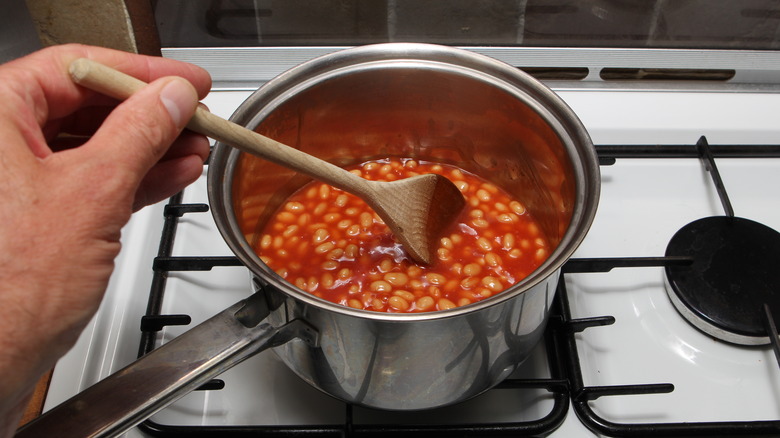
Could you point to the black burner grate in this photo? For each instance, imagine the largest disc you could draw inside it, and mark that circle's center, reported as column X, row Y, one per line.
column 566, row 382
column 581, row 394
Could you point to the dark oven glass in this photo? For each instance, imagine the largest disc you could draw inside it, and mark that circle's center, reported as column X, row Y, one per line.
column 695, row 24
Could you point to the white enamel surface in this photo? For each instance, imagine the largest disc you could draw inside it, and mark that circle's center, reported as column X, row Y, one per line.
column 643, row 202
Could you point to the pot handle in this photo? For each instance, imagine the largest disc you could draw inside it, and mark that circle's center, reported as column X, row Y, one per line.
column 133, row 394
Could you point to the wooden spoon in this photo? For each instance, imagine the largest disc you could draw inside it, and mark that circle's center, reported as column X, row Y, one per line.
column 415, row 209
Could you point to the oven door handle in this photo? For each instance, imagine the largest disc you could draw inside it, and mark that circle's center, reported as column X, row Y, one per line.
column 134, row 393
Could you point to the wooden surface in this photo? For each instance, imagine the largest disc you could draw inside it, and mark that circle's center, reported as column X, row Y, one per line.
column 127, row 25
column 35, row 406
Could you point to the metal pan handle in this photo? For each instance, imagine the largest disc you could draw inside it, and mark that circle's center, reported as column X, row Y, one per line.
column 133, row 394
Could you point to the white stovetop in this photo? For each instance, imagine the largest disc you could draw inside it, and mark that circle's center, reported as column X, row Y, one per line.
column 643, row 203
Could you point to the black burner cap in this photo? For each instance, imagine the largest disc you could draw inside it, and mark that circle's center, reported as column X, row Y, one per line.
column 735, row 270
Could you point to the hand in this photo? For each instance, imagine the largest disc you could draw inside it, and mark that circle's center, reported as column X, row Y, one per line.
column 74, row 165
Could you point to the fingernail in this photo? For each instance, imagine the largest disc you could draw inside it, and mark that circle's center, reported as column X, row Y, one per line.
column 179, row 100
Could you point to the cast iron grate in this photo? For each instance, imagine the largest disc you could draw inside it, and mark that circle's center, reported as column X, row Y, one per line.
column 581, row 394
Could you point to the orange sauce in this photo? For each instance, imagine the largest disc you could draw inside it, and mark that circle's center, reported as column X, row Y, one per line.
column 331, row 244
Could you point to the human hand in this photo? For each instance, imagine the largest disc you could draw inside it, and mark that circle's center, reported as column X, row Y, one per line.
column 74, row 165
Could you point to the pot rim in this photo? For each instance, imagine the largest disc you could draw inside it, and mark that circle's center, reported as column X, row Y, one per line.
column 536, row 95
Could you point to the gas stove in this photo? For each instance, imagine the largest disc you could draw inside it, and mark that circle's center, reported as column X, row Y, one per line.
column 618, row 358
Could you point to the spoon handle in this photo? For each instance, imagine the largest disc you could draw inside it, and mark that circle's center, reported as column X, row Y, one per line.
column 106, row 80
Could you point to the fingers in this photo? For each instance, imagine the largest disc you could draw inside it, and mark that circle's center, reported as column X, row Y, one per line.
column 166, row 179
column 181, row 165
column 188, row 143
column 127, row 139
column 138, row 133
column 44, row 75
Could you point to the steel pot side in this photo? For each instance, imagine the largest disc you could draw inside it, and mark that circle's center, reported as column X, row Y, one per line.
column 426, row 102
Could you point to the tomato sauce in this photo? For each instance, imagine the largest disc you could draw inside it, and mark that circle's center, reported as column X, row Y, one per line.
column 331, row 244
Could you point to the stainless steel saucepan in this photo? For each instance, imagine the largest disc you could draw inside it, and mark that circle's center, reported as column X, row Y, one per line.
column 401, row 99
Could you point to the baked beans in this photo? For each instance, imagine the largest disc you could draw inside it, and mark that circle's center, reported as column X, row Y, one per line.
column 331, row 244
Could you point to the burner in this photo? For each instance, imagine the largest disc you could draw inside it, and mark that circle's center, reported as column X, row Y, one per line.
column 735, row 271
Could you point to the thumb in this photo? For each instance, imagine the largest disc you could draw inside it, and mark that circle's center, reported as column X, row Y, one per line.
column 140, row 130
